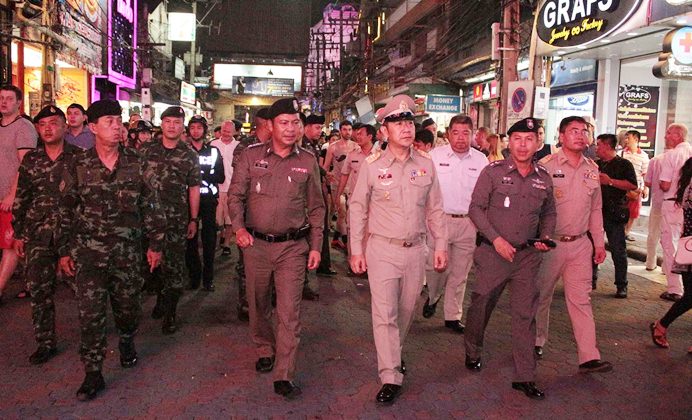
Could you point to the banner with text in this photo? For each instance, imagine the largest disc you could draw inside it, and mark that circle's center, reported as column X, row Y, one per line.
column 443, row 103
column 637, row 110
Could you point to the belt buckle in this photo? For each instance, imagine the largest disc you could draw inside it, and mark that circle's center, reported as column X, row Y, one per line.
column 567, row 238
column 407, row 244
column 270, row 238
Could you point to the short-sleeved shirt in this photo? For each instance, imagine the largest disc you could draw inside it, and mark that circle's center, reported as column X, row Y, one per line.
column 85, row 139
column 17, row 135
column 616, row 168
column 226, row 150
column 351, row 166
column 458, row 174
column 340, row 150
column 673, row 161
column 640, row 162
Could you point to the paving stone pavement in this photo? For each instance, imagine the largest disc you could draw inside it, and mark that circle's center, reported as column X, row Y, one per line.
column 206, row 370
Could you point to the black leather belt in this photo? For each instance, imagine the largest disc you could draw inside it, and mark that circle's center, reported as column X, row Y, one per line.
column 480, row 239
column 457, row 216
column 290, row 236
column 566, row 238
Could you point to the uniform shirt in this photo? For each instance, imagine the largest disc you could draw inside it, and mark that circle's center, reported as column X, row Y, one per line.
column 275, row 195
column 616, row 168
column 396, row 200
column 458, row 175
column 103, row 213
column 351, row 166
column 211, row 171
column 85, row 139
column 18, row 135
column 673, row 160
column 517, row 208
column 226, row 150
column 577, row 192
column 652, row 176
column 640, row 162
column 41, row 185
column 177, row 170
column 242, row 145
column 340, row 150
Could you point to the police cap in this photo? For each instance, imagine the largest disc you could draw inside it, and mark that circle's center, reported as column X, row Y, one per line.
column 103, row 107
column 314, row 119
column 283, row 106
column 399, row 108
column 173, row 111
column 527, row 125
column 49, row 111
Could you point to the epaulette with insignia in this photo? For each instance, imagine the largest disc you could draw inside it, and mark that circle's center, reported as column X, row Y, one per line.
column 424, row 154
column 591, row 161
column 541, row 167
column 303, row 149
column 373, row 157
column 255, row 145
column 496, row 163
column 546, row 159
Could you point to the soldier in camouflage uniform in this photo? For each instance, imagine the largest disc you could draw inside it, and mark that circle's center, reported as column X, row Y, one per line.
column 262, row 135
column 177, row 167
column 43, row 176
column 109, row 203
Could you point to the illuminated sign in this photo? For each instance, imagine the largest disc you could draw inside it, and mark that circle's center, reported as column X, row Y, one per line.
column 188, row 93
column 485, row 91
column 675, row 62
column 245, row 85
column 443, row 103
column 122, row 41
column 638, row 110
column 182, row 27
column 569, row 23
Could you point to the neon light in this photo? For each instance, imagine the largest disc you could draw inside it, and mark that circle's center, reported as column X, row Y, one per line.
column 114, row 75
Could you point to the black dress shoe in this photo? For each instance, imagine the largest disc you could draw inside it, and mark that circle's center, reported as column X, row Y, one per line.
column 596, row 365
column 621, row 293
column 388, row 393
column 169, row 325
column 428, row 309
column 264, row 364
column 538, row 352
column 473, row 364
column 326, row 272
column 529, row 388
column 309, row 294
column 243, row 312
column 455, row 326
column 209, row 288
column 402, row 368
column 287, row 389
column 128, row 354
column 93, row 383
column 42, row 355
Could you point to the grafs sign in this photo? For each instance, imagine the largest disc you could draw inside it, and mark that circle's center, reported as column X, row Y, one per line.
column 569, row 23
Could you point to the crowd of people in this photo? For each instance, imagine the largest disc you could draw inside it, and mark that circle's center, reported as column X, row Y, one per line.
column 117, row 208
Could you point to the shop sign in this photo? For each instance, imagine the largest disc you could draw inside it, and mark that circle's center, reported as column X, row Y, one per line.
column 443, row 103
column 675, row 62
column 637, row 110
column 83, row 21
column 246, row 85
column 178, row 68
column 122, row 40
column 520, row 103
column 188, row 93
column 72, row 89
column 569, row 23
column 570, row 72
column 485, row 91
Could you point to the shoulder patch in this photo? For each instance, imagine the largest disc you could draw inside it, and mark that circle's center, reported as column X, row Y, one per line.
column 542, row 168
column 373, row 157
column 255, row 145
column 308, row 151
column 546, row 159
column 496, row 163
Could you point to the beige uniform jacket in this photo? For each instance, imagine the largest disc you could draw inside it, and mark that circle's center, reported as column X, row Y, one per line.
column 396, row 199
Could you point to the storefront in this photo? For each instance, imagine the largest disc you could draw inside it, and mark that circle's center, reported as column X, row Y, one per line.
column 484, row 108
column 28, row 76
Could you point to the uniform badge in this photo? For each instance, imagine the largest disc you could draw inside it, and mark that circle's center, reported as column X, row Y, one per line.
column 507, row 202
column 507, row 180
column 558, row 193
column 590, row 175
column 61, row 187
column 261, row 164
column 258, row 188
column 384, row 176
column 386, row 195
column 538, row 186
column 418, row 172
column 300, row 170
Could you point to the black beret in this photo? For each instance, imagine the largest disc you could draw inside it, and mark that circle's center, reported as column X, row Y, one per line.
column 263, row 113
column 314, row 119
column 103, row 107
column 283, row 106
column 78, row 106
column 49, row 111
column 173, row 111
column 427, row 123
column 527, row 125
column 303, row 118
column 237, row 124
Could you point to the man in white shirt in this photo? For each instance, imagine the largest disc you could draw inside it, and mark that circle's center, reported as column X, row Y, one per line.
column 458, row 166
column 226, row 145
column 681, row 150
column 656, row 194
column 640, row 161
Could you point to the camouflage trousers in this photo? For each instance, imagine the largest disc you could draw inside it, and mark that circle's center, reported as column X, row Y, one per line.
column 169, row 278
column 41, row 266
column 96, row 284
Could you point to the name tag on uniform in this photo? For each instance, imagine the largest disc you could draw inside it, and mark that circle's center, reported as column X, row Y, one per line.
column 444, row 164
column 539, row 186
column 301, row 170
column 473, row 169
column 558, row 175
column 355, row 161
column 261, row 164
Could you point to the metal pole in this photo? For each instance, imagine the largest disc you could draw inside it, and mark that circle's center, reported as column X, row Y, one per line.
column 510, row 55
column 193, row 46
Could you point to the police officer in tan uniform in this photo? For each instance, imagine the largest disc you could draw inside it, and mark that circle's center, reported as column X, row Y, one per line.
column 578, row 202
column 396, row 195
column 277, row 211
column 511, row 204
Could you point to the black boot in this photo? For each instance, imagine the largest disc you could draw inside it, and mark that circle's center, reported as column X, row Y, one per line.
column 157, row 312
column 128, row 354
column 93, row 383
column 169, row 325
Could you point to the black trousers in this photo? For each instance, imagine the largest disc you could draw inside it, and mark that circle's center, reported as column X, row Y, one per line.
column 207, row 215
column 681, row 306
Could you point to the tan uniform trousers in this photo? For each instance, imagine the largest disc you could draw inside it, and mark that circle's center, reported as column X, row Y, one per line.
column 653, row 238
column 493, row 273
column 460, row 247
column 287, row 262
column 572, row 262
column 395, row 274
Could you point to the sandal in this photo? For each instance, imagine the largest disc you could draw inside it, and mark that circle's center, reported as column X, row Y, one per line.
column 658, row 336
column 23, row 294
